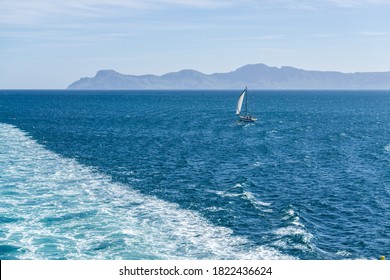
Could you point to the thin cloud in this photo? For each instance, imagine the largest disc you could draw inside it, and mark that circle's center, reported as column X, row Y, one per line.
column 21, row 12
column 316, row 4
column 35, row 11
column 373, row 34
column 355, row 3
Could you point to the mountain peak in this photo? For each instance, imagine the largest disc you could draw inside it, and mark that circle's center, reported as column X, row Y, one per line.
column 255, row 76
column 106, row 72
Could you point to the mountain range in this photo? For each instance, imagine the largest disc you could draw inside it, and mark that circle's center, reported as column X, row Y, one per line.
column 255, row 76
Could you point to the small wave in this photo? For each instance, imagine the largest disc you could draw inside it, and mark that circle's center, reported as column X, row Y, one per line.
column 273, row 131
column 258, row 164
column 258, row 204
column 387, row 148
column 294, row 234
column 343, row 253
column 215, row 209
column 295, row 231
column 246, row 195
column 226, row 194
column 62, row 209
column 293, row 217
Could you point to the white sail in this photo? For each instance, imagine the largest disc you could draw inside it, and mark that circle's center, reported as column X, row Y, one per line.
column 239, row 102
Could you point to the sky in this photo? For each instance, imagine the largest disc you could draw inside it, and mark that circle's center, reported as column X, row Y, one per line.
column 48, row 44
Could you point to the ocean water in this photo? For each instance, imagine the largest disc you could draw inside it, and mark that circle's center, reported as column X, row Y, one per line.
column 172, row 175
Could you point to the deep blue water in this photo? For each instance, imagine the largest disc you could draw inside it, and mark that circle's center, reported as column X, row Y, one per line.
column 172, row 175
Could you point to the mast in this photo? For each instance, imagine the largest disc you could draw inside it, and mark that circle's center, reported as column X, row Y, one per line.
column 246, row 102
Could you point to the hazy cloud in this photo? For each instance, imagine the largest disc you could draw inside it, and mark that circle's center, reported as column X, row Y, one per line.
column 37, row 11
column 353, row 3
column 32, row 11
column 373, row 34
column 318, row 4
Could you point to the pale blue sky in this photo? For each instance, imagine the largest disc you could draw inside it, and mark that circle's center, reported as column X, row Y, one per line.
column 51, row 43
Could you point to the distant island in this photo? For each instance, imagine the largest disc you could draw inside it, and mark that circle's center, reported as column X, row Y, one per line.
column 255, row 76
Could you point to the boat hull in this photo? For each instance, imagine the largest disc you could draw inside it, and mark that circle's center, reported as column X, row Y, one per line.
column 247, row 119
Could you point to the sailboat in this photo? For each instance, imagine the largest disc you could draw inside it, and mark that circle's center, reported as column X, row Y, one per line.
column 243, row 114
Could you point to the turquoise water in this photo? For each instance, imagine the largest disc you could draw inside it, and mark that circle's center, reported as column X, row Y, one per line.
column 172, row 175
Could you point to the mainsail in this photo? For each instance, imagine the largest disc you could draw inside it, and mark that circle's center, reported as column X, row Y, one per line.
column 239, row 102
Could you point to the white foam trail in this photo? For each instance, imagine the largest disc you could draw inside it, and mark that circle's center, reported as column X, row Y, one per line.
column 67, row 210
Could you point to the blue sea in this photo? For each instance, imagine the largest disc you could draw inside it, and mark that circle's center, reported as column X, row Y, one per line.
column 173, row 175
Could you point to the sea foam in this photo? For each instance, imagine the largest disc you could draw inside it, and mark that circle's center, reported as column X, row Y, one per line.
column 58, row 208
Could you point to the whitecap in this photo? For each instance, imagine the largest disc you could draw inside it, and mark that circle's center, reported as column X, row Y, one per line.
column 343, row 253
column 226, row 194
column 256, row 202
column 246, row 195
column 294, row 228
